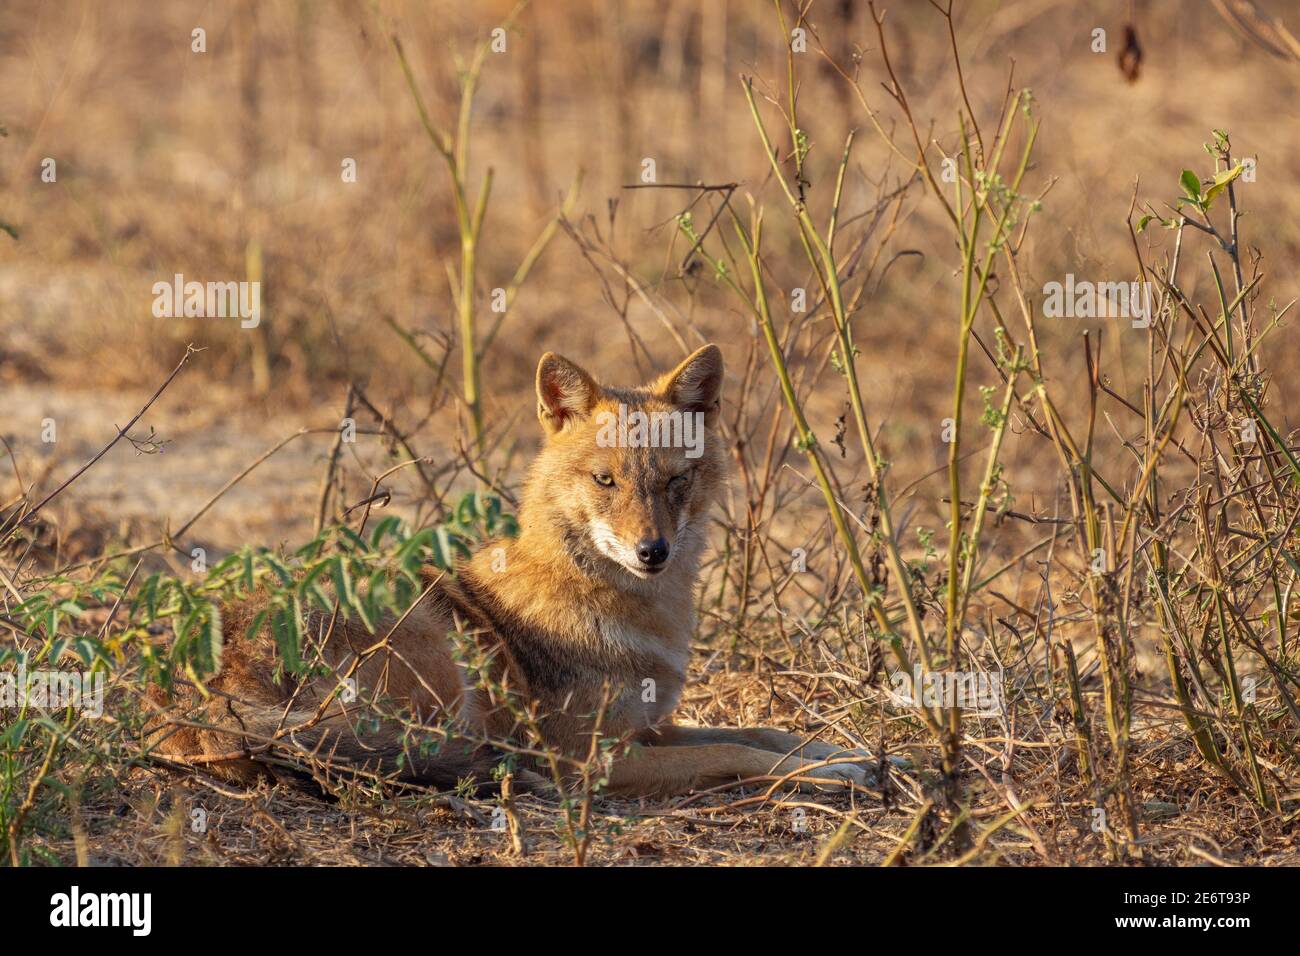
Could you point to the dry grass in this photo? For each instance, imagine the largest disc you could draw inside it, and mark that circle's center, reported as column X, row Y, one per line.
column 147, row 820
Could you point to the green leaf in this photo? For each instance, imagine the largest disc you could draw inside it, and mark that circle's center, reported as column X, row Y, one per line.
column 258, row 621
column 343, row 585
column 281, row 570
column 1221, row 181
column 287, row 631
column 13, row 735
column 411, row 554
column 151, row 597
column 386, row 527
column 465, row 510
column 358, row 543
column 309, row 582
column 361, row 603
column 215, row 641
column 321, row 597
column 442, row 548
column 1191, row 185
column 86, row 649
column 491, row 512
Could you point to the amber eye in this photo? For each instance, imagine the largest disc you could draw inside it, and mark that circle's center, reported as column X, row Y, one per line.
column 679, row 481
column 605, row 481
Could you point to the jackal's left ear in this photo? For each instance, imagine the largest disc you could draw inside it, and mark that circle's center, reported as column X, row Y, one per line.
column 564, row 392
column 696, row 384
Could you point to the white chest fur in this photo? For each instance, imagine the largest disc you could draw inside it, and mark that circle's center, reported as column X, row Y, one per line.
column 651, row 697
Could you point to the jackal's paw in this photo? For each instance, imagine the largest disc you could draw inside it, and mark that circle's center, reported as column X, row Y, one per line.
column 871, row 759
column 836, row 776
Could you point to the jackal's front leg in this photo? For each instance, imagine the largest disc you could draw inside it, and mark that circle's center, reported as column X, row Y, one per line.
column 762, row 738
column 667, row 770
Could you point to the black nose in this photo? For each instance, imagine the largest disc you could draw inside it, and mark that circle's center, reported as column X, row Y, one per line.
column 652, row 552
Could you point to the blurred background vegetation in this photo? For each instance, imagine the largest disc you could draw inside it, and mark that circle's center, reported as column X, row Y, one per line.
column 226, row 163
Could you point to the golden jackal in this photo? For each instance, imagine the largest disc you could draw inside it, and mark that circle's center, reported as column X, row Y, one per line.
column 582, row 621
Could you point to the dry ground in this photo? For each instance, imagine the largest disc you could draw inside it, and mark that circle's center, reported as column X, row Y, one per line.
column 1190, row 819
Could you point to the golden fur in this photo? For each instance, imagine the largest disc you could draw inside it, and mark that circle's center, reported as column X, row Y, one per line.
column 588, row 613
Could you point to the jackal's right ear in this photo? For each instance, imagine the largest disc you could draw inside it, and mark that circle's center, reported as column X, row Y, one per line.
column 696, row 384
column 565, row 392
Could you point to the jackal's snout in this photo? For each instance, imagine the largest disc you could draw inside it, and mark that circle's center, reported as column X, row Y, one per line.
column 652, row 552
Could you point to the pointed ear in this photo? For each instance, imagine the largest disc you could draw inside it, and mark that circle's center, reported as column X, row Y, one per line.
column 696, row 384
column 565, row 392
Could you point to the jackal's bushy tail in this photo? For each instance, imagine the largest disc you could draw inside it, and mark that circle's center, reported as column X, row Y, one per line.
column 333, row 743
column 232, row 739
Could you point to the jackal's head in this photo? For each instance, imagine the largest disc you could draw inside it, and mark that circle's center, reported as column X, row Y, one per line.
column 627, row 475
